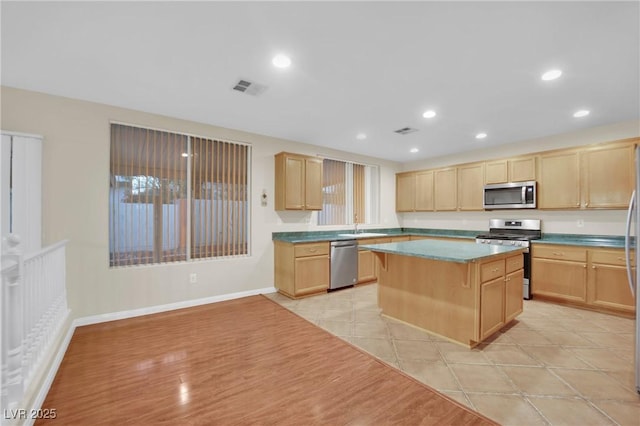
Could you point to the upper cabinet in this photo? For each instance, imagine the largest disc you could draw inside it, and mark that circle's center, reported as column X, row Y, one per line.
column 445, row 189
column 559, row 180
column 599, row 177
column 589, row 177
column 519, row 169
column 608, row 176
column 298, row 183
column 414, row 191
column 470, row 187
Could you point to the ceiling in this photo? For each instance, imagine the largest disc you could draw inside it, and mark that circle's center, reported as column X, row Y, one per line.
column 357, row 67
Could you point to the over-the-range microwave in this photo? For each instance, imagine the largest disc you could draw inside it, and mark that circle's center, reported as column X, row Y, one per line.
column 515, row 195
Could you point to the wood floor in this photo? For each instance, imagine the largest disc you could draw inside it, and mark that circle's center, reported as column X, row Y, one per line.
column 245, row 361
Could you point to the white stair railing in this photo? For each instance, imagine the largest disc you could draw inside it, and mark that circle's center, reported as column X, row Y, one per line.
column 34, row 308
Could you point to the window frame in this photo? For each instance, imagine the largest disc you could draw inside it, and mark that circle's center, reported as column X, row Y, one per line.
column 189, row 213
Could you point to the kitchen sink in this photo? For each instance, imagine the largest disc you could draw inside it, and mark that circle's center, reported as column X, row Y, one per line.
column 363, row 235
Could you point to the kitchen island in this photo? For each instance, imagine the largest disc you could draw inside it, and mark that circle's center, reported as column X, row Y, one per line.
column 462, row 291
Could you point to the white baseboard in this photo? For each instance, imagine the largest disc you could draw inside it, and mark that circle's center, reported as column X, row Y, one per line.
column 95, row 319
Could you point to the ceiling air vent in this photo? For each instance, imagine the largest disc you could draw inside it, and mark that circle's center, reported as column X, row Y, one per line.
column 250, row 88
column 405, row 130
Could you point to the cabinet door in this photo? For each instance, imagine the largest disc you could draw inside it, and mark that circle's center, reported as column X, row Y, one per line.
column 608, row 178
column 470, row 187
column 405, row 192
column 311, row 274
column 609, row 288
column 424, row 191
column 313, row 184
column 496, row 172
column 445, row 189
column 491, row 307
column 513, row 294
column 294, row 183
column 559, row 181
column 366, row 266
column 559, row 279
column 522, row 169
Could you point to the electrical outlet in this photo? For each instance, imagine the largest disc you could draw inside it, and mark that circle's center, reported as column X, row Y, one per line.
column 193, row 278
column 580, row 223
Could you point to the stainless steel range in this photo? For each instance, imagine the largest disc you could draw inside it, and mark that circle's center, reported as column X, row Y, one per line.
column 514, row 232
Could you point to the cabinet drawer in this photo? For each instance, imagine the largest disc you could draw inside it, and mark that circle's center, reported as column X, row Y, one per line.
column 314, row 249
column 610, row 257
column 575, row 254
column 491, row 270
column 514, row 263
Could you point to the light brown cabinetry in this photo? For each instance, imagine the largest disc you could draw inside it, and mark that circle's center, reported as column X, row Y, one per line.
column 301, row 269
column 559, row 182
column 470, row 187
column 445, row 189
column 607, row 283
column 366, row 266
column 608, row 176
column 406, row 192
column 510, row 170
column 464, row 302
column 298, row 182
column 593, row 278
column 559, row 272
column 600, row 177
column 414, row 191
column 500, row 293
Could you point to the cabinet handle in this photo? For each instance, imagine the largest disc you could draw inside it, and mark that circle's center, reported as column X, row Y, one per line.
column 578, row 204
column 312, row 250
column 584, row 266
column 586, row 204
column 557, row 253
column 593, row 266
column 494, row 270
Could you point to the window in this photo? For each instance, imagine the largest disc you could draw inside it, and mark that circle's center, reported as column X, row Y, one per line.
column 175, row 197
column 350, row 193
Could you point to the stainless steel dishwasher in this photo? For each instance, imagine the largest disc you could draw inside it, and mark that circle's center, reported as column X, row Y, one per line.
column 344, row 264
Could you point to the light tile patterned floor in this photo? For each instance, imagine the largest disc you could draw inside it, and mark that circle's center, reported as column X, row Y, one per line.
column 552, row 365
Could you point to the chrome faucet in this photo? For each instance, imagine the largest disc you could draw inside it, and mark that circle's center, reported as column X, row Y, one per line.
column 355, row 223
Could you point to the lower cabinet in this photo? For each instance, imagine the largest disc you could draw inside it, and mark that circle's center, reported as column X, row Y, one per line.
column 500, row 293
column 366, row 266
column 594, row 278
column 301, row 269
column 607, row 282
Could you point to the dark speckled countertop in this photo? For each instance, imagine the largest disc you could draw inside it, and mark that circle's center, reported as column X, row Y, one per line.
column 609, row 241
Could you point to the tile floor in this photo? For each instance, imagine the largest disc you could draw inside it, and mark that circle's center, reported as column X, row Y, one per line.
column 552, row 365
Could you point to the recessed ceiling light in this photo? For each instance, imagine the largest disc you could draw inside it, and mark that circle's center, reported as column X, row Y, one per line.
column 481, row 135
column 551, row 75
column 414, row 150
column 361, row 136
column 429, row 114
column 581, row 113
column 281, row 61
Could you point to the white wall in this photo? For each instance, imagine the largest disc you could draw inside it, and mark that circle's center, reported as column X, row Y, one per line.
column 75, row 204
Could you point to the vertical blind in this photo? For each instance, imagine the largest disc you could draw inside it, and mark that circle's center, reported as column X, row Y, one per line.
column 333, row 193
column 343, row 193
column 175, row 197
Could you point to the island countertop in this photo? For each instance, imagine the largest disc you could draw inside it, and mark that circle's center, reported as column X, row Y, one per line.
column 449, row 251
